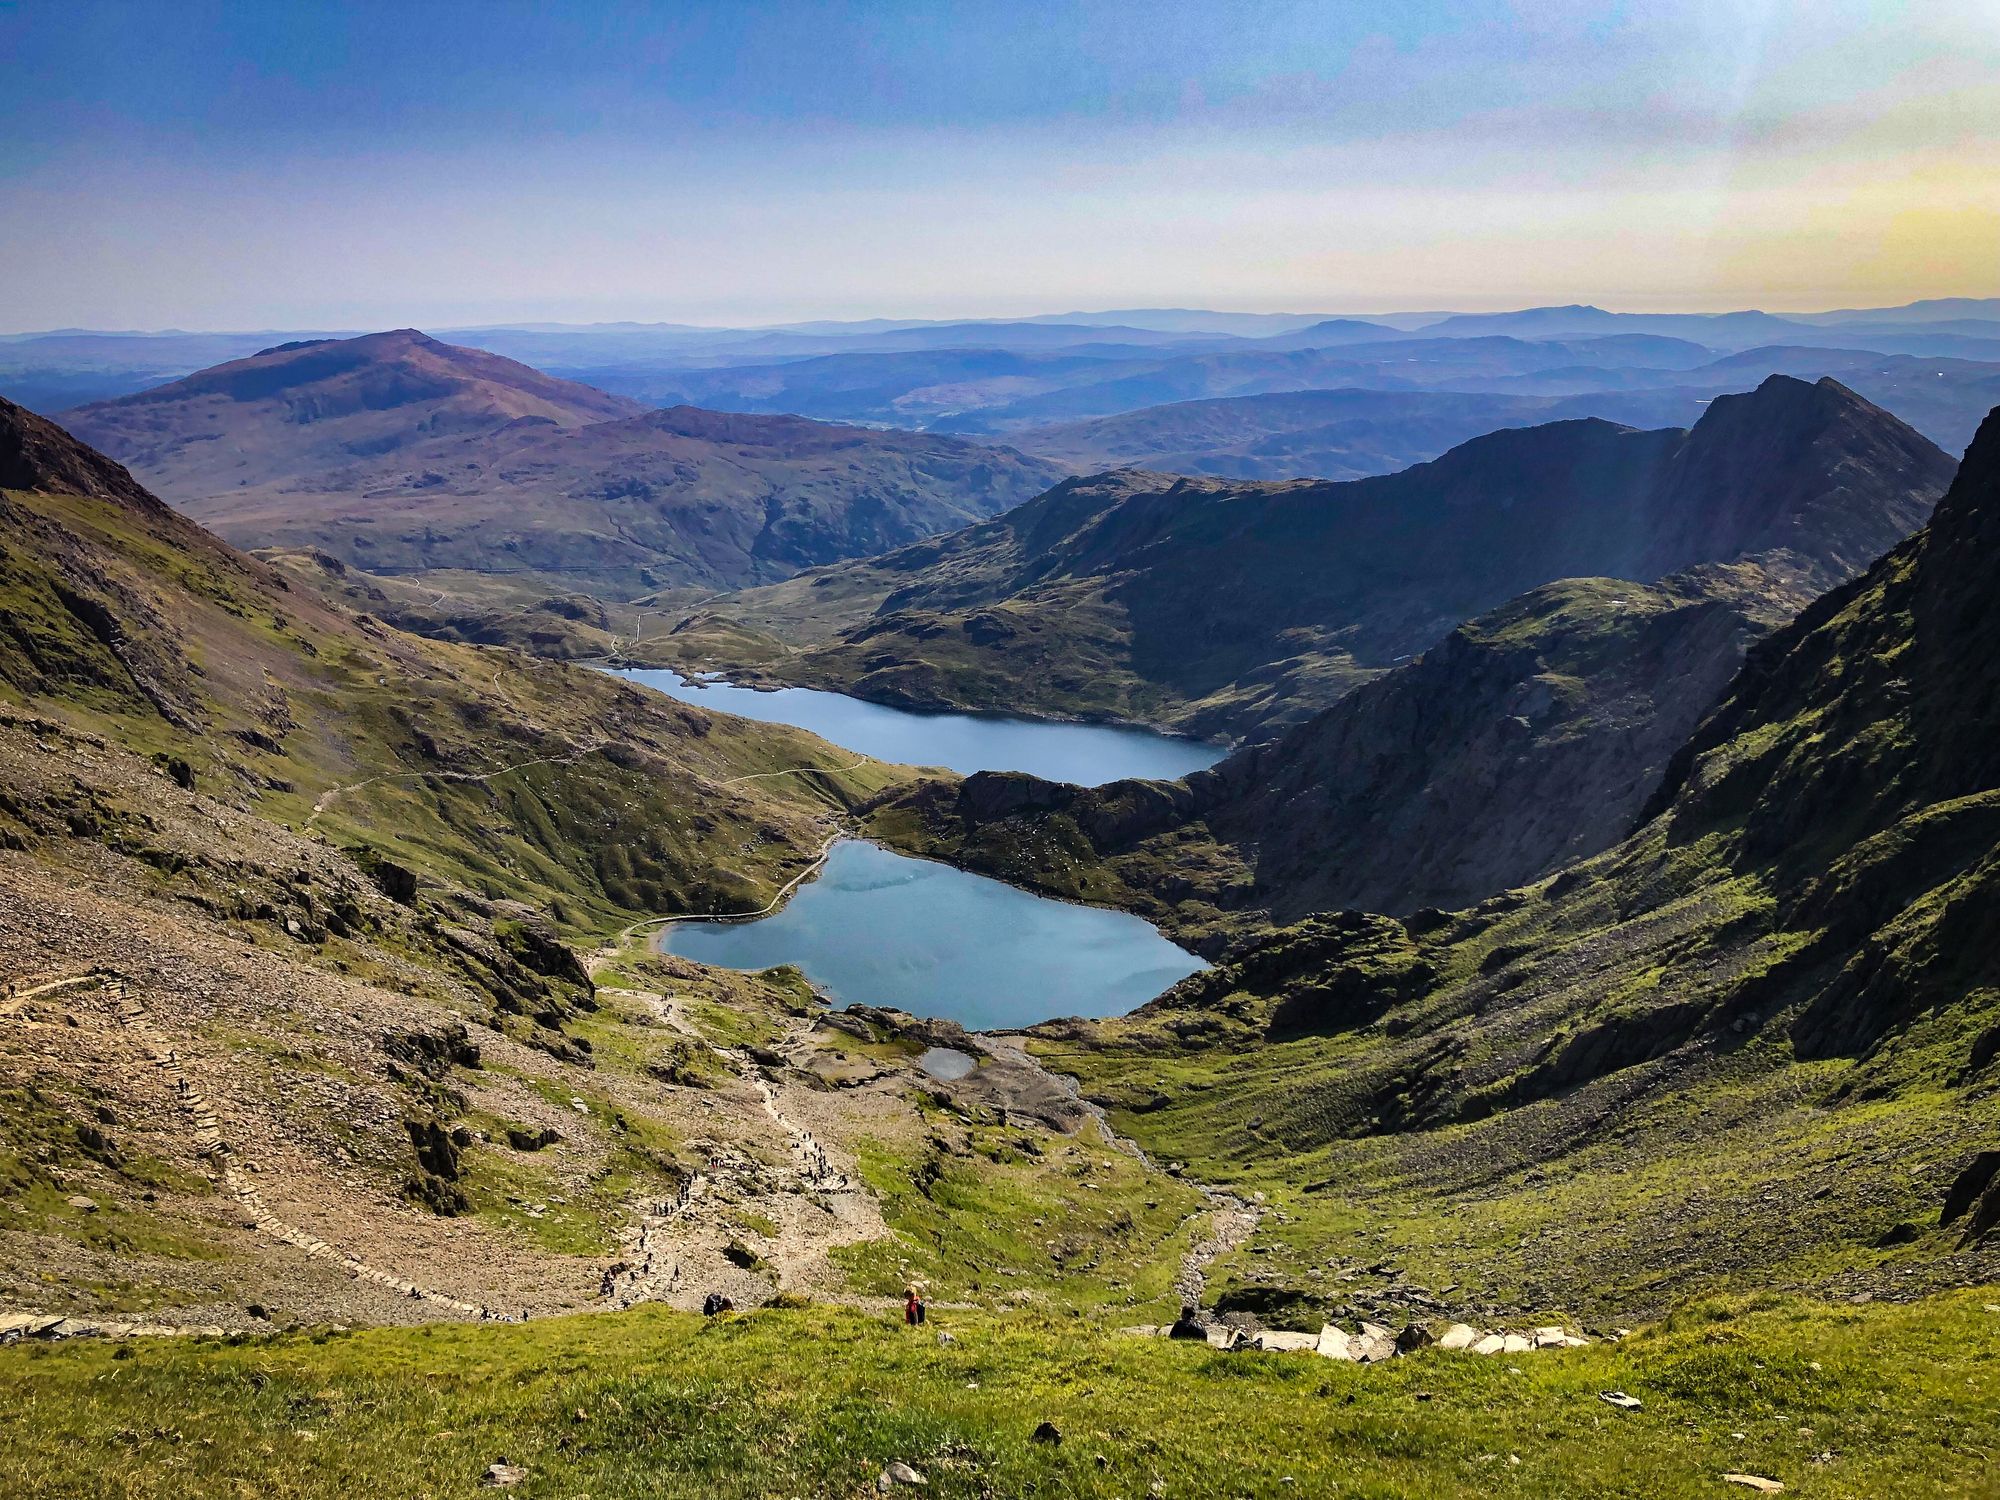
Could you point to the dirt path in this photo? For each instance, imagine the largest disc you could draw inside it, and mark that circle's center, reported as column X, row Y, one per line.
column 859, row 762
column 813, row 1204
column 212, row 1146
column 1233, row 1219
column 334, row 794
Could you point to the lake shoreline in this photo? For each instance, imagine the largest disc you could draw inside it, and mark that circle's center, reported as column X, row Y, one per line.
column 956, row 945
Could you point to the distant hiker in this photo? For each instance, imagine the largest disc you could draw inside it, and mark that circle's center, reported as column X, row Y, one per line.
column 913, row 1307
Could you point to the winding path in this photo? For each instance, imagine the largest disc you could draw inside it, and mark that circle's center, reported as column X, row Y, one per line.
column 1235, row 1219
column 211, row 1145
column 333, row 794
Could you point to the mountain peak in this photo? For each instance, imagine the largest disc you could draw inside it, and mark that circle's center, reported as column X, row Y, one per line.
column 310, row 409
column 1807, row 468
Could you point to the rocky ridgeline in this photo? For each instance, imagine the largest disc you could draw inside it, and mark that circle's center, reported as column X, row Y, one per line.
column 1371, row 1342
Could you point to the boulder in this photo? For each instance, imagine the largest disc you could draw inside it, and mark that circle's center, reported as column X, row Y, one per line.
column 1516, row 1343
column 502, row 1475
column 1414, row 1336
column 1458, row 1336
column 1276, row 1342
column 1374, row 1343
column 1493, row 1343
column 1334, row 1344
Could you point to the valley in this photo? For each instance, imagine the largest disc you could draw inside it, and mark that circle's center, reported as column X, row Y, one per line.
column 822, row 750
column 1590, row 920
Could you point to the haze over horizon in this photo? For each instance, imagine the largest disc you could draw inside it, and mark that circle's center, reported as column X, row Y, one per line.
column 239, row 166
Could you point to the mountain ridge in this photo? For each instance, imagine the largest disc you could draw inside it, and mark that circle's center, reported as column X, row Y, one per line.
column 1232, row 607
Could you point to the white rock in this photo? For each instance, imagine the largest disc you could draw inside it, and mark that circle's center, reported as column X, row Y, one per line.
column 1458, row 1336
column 1277, row 1342
column 1620, row 1400
column 1493, row 1343
column 1755, row 1482
column 1334, row 1344
column 1515, row 1343
column 902, row 1473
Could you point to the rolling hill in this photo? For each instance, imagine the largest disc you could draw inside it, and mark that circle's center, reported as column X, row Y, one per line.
column 396, row 453
column 1338, row 434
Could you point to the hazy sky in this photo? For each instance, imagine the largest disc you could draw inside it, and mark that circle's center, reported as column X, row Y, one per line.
column 300, row 165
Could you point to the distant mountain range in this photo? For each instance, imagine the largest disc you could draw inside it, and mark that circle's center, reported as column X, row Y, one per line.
column 396, row 452
column 1227, row 607
column 999, row 374
column 1341, row 434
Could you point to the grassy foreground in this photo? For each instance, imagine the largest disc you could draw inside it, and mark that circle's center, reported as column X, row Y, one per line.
column 1850, row 1401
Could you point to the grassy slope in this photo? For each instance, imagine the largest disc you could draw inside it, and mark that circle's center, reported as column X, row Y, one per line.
column 819, row 1401
column 1754, row 1041
column 618, row 804
column 282, row 699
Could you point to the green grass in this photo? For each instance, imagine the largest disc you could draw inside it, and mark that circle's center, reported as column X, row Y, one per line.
column 995, row 1215
column 652, row 1404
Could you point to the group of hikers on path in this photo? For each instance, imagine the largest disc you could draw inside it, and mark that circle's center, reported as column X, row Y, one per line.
column 914, row 1311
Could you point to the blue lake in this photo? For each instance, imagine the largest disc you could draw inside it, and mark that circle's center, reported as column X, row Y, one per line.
column 1086, row 754
column 878, row 928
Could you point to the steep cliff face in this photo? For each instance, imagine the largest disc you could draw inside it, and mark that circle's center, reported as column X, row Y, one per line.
column 1820, row 855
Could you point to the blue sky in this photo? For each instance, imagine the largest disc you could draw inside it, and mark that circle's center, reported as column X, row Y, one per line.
column 307, row 165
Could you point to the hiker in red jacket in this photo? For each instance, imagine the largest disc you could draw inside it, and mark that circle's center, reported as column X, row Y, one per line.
column 913, row 1307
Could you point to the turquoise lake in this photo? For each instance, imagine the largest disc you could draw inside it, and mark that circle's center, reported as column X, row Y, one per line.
column 878, row 928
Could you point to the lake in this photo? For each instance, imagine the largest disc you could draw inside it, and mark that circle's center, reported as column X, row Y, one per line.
column 1086, row 754
column 878, row 928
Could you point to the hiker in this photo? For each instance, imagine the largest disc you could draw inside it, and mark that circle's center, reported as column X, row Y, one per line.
column 913, row 1307
column 715, row 1303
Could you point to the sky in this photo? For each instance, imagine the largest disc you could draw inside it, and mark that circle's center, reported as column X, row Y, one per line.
column 301, row 165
